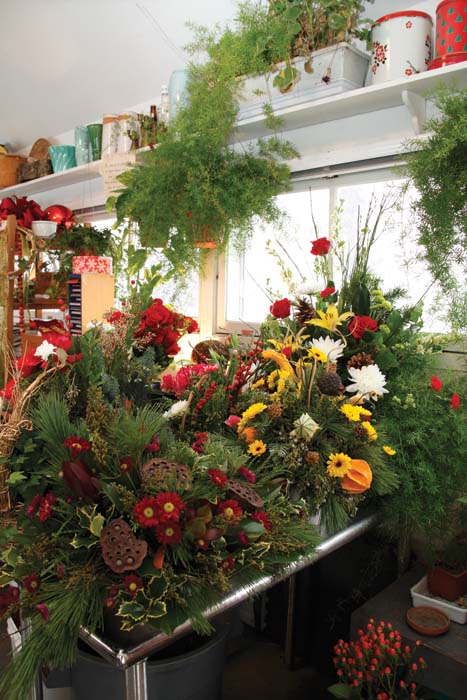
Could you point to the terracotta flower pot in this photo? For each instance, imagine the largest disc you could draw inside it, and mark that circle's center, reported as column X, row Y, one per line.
column 445, row 584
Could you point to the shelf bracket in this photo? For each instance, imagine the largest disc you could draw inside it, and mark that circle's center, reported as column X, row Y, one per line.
column 416, row 106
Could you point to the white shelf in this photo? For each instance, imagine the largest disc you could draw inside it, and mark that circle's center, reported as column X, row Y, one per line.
column 73, row 176
column 360, row 101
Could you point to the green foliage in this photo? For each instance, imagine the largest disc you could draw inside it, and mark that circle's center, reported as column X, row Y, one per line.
column 437, row 166
column 430, row 439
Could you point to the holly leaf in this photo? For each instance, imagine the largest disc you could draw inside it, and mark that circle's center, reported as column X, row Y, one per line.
column 16, row 478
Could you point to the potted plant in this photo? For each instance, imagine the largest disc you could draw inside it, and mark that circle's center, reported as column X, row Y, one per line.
column 448, row 577
column 377, row 665
column 437, row 168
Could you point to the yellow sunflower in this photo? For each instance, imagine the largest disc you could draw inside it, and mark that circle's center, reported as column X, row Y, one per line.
column 370, row 430
column 258, row 447
column 338, row 464
column 317, row 354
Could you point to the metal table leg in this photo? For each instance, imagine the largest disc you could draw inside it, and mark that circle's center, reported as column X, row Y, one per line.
column 289, row 630
column 135, row 682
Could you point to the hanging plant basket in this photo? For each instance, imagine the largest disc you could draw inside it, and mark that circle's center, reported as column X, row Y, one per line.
column 203, row 238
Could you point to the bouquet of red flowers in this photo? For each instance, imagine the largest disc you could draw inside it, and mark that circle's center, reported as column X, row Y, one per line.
column 161, row 328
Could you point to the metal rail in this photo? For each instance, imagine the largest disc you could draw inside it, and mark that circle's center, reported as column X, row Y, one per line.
column 124, row 658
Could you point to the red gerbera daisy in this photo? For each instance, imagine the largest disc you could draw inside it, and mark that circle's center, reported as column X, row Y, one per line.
column 169, row 533
column 32, row 583
column 77, row 445
column 133, row 584
column 228, row 564
column 231, row 510
column 217, row 477
column 169, row 506
column 146, row 511
column 261, row 517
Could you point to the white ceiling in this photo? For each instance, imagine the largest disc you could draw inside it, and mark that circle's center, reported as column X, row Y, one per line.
column 67, row 62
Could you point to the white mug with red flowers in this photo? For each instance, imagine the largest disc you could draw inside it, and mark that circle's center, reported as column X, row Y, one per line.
column 400, row 45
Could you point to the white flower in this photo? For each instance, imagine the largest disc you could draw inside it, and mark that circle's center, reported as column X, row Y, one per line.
column 305, row 427
column 333, row 349
column 308, row 288
column 177, row 409
column 368, row 381
column 104, row 326
column 45, row 350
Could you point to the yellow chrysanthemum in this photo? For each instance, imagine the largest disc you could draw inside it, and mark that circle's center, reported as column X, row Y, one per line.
column 258, row 384
column 370, row 430
column 277, row 380
column 317, row 354
column 354, row 413
column 250, row 413
column 258, row 447
column 280, row 360
column 389, row 450
column 338, row 464
column 330, row 318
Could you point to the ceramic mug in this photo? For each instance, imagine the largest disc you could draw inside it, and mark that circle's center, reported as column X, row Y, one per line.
column 62, row 157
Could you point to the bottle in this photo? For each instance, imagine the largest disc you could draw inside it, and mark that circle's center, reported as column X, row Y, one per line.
column 165, row 116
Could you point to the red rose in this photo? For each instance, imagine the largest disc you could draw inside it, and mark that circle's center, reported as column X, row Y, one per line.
column 280, row 308
column 321, row 246
column 327, row 292
column 359, row 324
column 436, row 383
column 455, row 401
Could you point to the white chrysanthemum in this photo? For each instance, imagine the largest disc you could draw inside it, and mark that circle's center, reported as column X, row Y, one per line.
column 333, row 349
column 305, row 427
column 177, row 409
column 368, row 381
column 45, row 350
column 308, row 288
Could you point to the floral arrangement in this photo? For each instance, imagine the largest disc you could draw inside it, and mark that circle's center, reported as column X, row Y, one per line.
column 296, row 407
column 117, row 512
column 378, row 666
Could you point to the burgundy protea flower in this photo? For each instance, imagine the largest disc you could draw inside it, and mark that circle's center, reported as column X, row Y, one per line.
column 80, row 480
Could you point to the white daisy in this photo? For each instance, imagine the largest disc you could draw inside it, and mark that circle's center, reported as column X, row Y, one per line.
column 177, row 409
column 45, row 350
column 368, row 381
column 333, row 349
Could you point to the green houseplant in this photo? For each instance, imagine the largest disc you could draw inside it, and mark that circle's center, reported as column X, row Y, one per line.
column 438, row 169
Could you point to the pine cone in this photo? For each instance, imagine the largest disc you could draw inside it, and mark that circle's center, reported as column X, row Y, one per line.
column 304, row 311
column 274, row 411
column 332, row 367
column 330, row 384
column 362, row 359
column 312, row 457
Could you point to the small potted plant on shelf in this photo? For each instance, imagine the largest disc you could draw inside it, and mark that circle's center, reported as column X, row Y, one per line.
column 448, row 577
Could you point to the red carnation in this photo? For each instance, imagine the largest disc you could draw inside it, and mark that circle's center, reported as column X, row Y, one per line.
column 455, row 401
column 169, row 533
column 145, row 511
column 45, row 508
column 247, row 474
column 436, row 383
column 169, row 506
column 359, row 324
column 217, row 477
column 133, row 584
column 327, row 292
column 280, row 308
column 321, row 246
